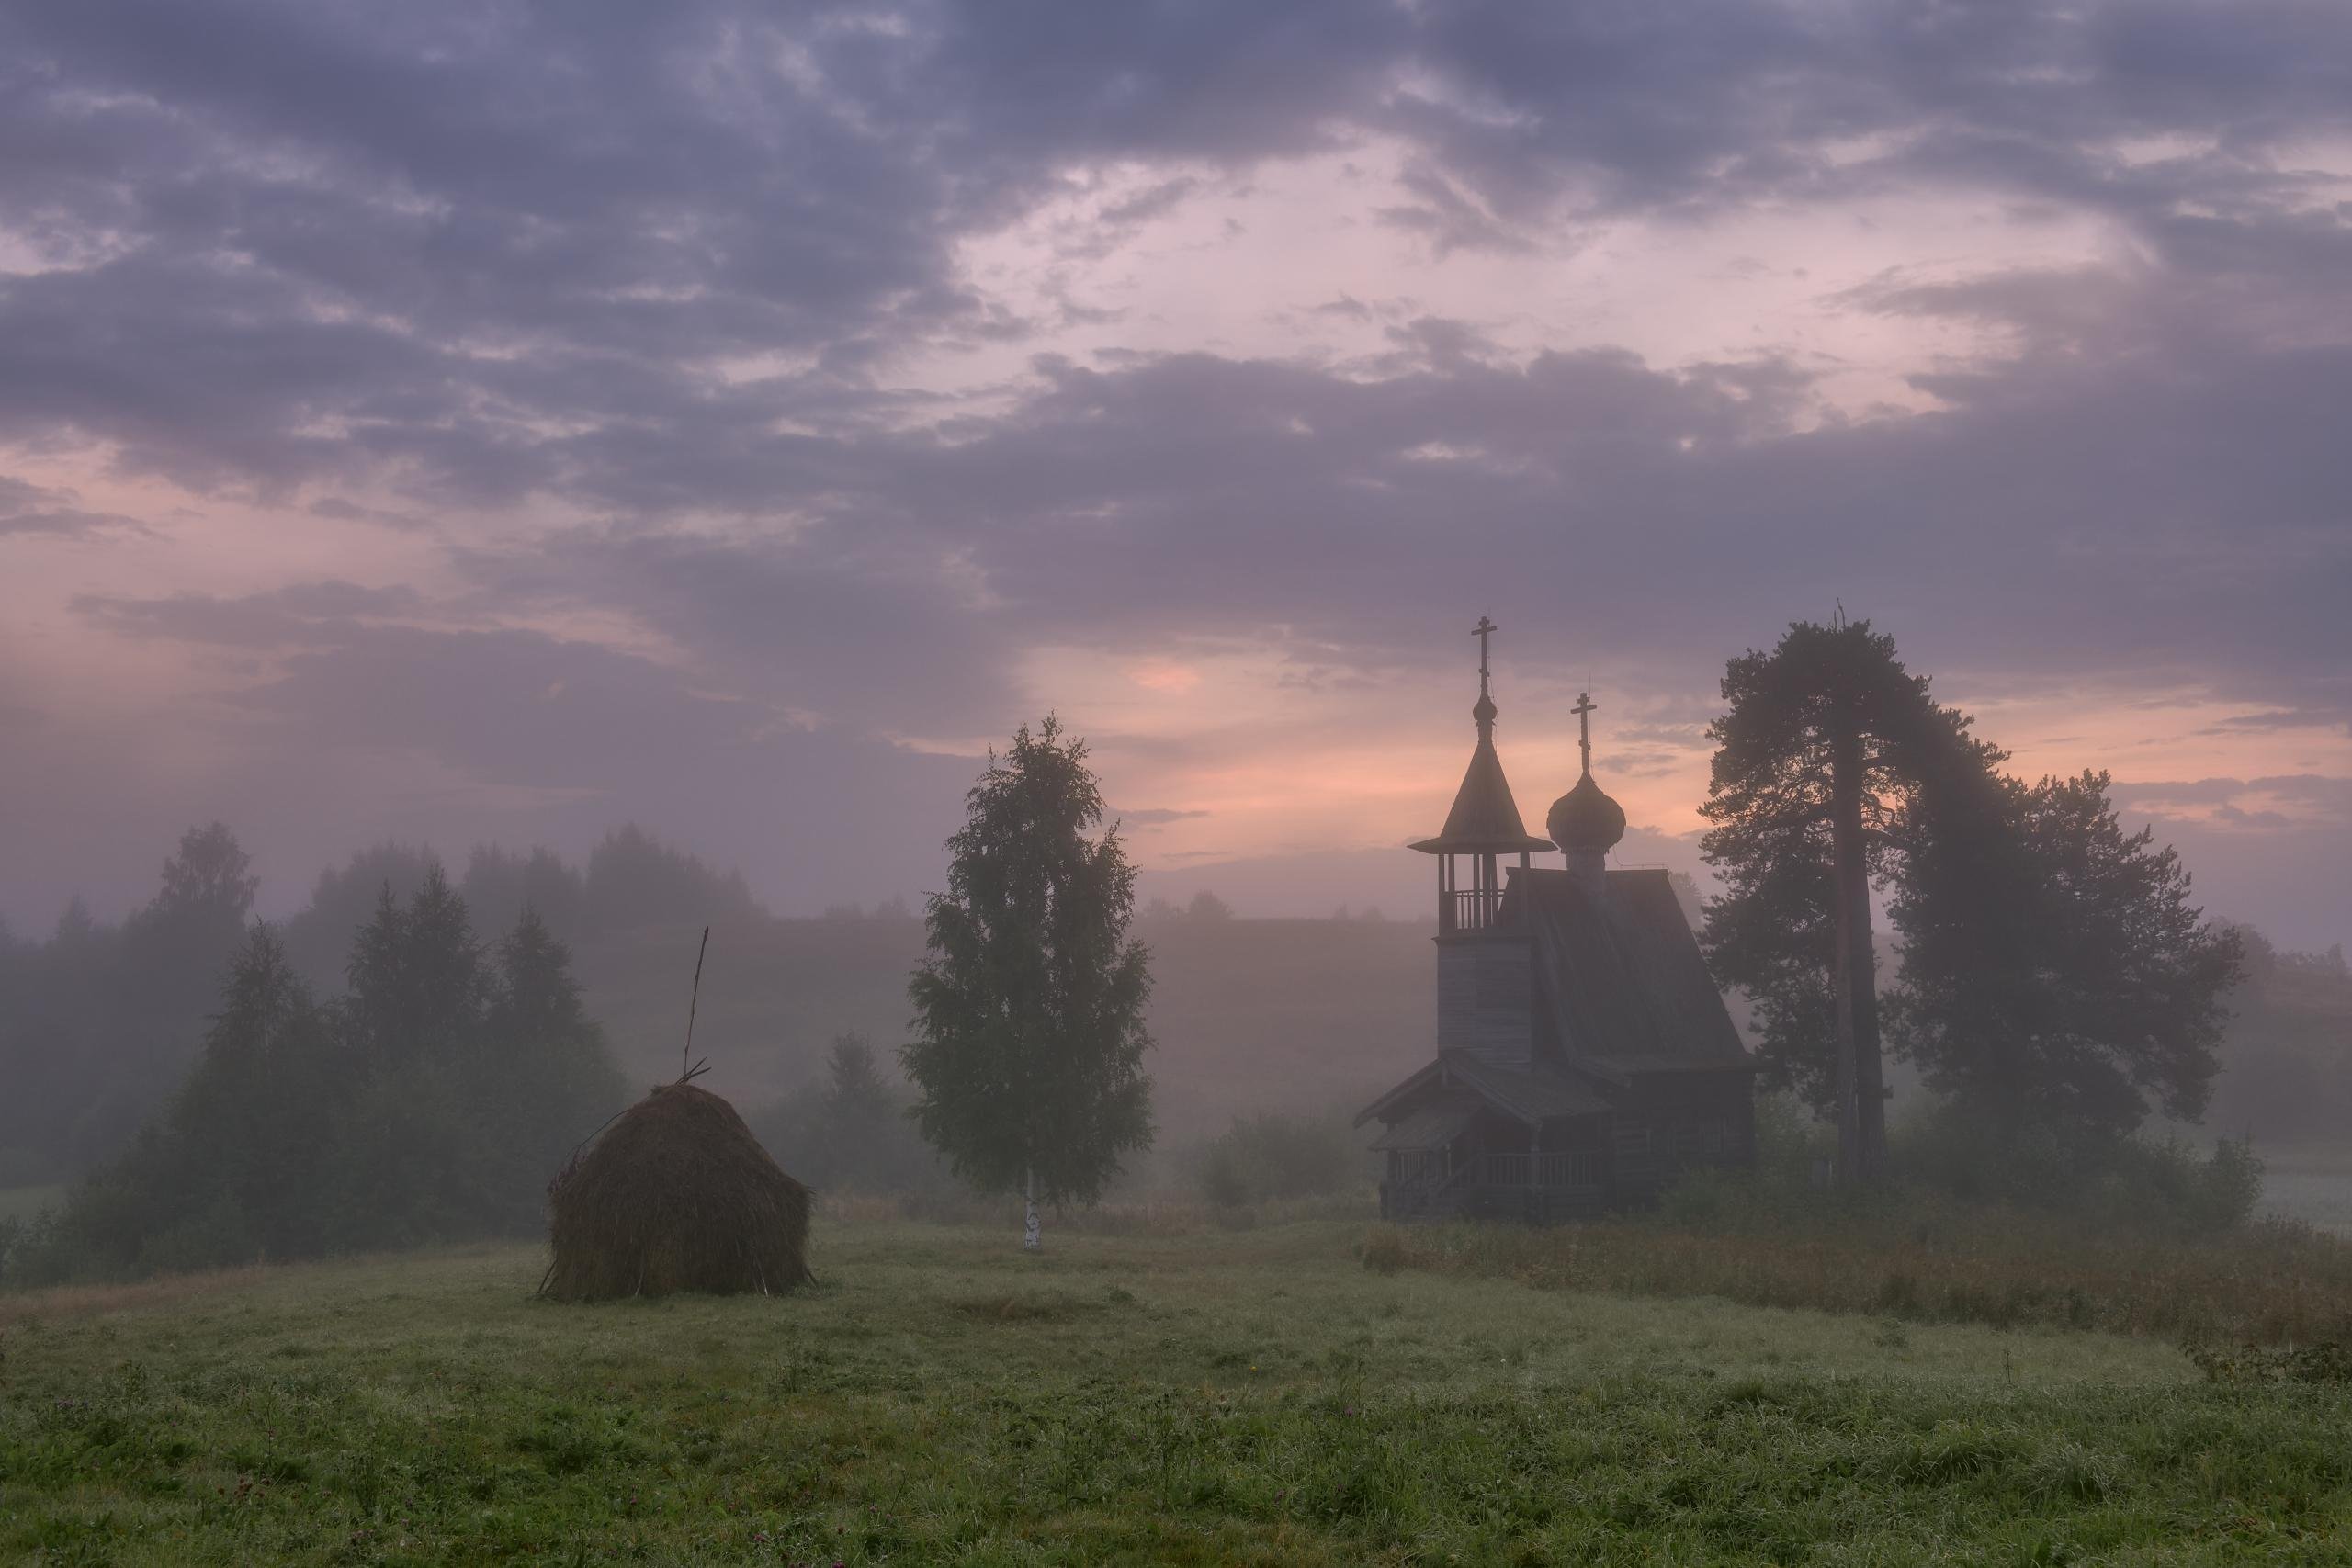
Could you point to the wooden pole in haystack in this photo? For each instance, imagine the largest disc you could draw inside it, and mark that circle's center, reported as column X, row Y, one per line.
column 687, row 1073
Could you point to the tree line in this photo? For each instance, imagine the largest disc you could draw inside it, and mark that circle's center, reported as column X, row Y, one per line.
column 99, row 1022
column 429, row 1101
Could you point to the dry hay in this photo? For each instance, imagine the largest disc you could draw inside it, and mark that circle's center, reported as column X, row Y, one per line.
column 676, row 1194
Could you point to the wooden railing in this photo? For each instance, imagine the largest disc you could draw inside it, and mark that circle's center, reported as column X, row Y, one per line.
column 1468, row 909
column 1426, row 1190
column 1581, row 1168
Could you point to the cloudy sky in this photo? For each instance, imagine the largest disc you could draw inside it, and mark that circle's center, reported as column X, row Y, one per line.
column 482, row 420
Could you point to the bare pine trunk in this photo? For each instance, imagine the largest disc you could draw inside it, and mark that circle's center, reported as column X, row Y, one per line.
column 1849, row 1123
column 1861, row 1097
column 1030, row 1241
column 1870, row 1078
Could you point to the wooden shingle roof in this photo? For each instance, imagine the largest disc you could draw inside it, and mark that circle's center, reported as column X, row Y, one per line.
column 1621, row 976
column 1484, row 819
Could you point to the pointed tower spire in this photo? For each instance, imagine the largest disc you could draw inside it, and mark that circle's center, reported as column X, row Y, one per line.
column 1485, row 821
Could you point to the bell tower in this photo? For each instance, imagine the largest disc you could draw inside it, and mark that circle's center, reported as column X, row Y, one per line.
column 1484, row 825
column 1484, row 976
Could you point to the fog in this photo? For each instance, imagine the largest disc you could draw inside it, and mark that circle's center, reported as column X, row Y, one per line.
column 642, row 465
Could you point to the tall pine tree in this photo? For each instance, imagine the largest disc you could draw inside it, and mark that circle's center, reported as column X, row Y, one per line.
column 1824, row 742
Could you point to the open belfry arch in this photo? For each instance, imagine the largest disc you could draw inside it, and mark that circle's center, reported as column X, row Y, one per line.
column 1584, row 1057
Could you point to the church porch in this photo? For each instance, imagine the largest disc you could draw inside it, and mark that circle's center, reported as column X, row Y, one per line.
column 1468, row 1162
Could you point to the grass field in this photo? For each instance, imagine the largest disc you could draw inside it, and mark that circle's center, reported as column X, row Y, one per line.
column 1253, row 1396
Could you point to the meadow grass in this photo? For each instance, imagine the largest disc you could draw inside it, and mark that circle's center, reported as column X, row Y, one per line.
column 2267, row 1284
column 1253, row 1396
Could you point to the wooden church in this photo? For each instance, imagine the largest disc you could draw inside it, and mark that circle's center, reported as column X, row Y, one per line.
column 1584, row 1056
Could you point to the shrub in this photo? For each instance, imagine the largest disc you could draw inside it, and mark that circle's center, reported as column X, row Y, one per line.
column 1270, row 1156
column 2140, row 1185
column 849, row 1132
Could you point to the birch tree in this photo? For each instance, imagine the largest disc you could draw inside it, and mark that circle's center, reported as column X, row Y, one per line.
column 1028, row 1032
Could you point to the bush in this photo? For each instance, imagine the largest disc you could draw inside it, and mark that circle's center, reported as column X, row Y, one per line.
column 1271, row 1155
column 849, row 1132
column 2141, row 1185
column 1704, row 1198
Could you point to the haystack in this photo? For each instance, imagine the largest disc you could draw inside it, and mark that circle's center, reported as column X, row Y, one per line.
column 676, row 1195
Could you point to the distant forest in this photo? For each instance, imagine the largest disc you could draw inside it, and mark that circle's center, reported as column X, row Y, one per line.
column 100, row 1022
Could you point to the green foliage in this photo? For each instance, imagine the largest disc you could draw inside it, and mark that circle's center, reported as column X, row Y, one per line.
column 99, row 1023
column 344, row 899
column 2103, row 1179
column 1270, row 1156
column 634, row 879
column 500, row 884
column 849, row 1132
column 1029, row 1032
column 432, row 1102
column 2054, row 970
column 1824, row 693
column 1952, row 1164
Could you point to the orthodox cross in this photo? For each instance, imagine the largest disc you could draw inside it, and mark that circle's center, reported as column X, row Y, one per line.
column 1482, row 631
column 1584, row 710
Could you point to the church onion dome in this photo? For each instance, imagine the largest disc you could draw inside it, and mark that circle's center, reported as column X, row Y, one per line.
column 1586, row 818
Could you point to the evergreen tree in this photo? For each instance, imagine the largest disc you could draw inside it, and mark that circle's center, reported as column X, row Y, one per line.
column 863, row 1128
column 148, row 1022
column 239, row 1165
column 856, row 1089
column 431, row 1103
column 418, row 983
column 56, row 1047
column 634, row 879
column 501, row 885
column 343, row 900
column 549, row 1079
column 1028, row 1054
column 1208, row 908
column 1825, row 742
column 419, row 1164
column 2055, row 971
